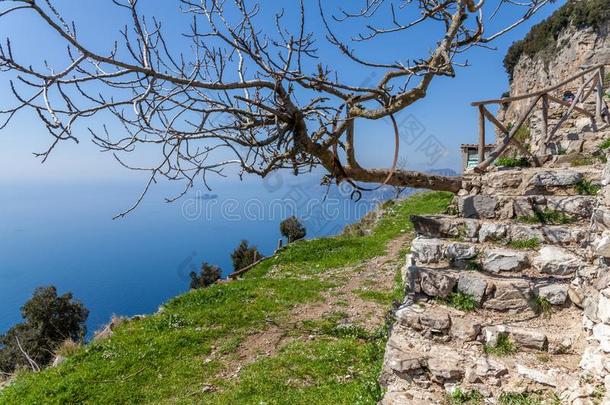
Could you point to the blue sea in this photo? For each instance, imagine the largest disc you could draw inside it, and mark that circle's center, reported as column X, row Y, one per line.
column 64, row 235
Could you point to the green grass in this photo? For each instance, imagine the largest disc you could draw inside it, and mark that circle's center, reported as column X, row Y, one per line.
column 459, row 397
column 548, row 216
column 506, row 161
column 176, row 355
column 503, row 347
column 582, row 161
column 543, row 306
column 461, row 301
column 472, row 265
column 528, row 398
column 525, row 244
column 382, row 297
column 604, row 145
column 587, row 187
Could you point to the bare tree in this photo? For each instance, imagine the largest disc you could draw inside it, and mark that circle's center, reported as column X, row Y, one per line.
column 249, row 94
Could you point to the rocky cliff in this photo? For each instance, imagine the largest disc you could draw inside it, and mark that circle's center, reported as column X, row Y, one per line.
column 576, row 36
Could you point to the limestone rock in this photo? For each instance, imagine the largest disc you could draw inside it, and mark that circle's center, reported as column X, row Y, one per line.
column 593, row 361
column 601, row 332
column 445, row 364
column 602, row 246
column 464, row 329
column 478, row 206
column 601, row 220
column 485, row 368
column 401, row 357
column 527, row 338
column 555, row 294
column 491, row 232
column 432, row 282
column 523, row 232
column 603, row 306
column 501, row 260
column 557, row 261
column 542, row 377
column 432, row 226
column 429, row 319
column 555, row 178
column 427, row 250
column 510, row 295
column 474, row 285
column 461, row 251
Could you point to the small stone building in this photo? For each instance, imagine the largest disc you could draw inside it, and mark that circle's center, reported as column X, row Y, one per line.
column 470, row 154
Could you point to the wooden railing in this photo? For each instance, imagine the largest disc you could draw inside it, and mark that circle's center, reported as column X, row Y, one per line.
column 592, row 82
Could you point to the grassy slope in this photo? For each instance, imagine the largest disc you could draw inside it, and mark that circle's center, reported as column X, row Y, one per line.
column 165, row 358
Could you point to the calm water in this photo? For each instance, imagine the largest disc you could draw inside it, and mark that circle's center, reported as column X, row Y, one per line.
column 63, row 235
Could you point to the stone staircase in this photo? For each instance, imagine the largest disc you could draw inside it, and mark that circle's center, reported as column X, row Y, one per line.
column 508, row 297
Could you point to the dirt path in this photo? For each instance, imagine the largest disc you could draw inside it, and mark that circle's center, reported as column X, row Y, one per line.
column 376, row 276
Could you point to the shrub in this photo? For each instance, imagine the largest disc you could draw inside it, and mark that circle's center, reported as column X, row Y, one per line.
column 532, row 243
column 292, row 229
column 49, row 320
column 244, row 255
column 586, row 187
column 548, row 216
column 503, row 347
column 512, row 161
column 459, row 397
column 461, row 301
column 208, row 275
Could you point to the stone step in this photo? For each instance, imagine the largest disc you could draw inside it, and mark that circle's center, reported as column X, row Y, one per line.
column 434, row 349
column 474, row 230
column 496, row 293
column 528, row 209
column 436, row 321
column 547, row 260
column 531, row 181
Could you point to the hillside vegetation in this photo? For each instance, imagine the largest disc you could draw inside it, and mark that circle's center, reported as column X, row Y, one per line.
column 304, row 327
column 542, row 40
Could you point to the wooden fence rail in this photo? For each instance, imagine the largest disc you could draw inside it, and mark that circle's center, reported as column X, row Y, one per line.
column 592, row 82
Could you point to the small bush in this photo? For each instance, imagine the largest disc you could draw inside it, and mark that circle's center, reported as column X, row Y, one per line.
column 292, row 229
column 548, row 216
column 586, row 187
column 244, row 255
column 503, row 347
column 461, row 301
column 208, row 275
column 50, row 319
column 506, row 161
column 459, row 397
column 543, row 307
column 533, row 243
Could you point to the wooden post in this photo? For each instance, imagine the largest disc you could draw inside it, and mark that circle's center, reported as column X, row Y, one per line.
column 280, row 243
column 599, row 105
column 481, row 134
column 545, row 118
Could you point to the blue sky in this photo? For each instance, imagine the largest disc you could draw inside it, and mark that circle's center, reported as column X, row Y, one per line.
column 445, row 114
